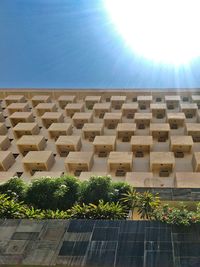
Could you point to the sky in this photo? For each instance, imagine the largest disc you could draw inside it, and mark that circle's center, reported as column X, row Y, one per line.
column 73, row 44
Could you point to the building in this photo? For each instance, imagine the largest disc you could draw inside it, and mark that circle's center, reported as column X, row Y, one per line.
column 146, row 138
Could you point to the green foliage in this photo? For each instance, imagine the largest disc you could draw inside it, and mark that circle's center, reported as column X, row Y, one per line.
column 32, row 213
column 67, row 193
column 57, row 214
column 130, row 199
column 15, row 187
column 146, row 204
column 40, row 192
column 101, row 211
column 80, row 211
column 98, row 198
column 97, row 188
column 119, row 189
column 10, row 208
column 53, row 193
column 176, row 216
column 198, row 208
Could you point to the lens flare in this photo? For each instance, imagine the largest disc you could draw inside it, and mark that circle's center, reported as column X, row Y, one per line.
column 164, row 31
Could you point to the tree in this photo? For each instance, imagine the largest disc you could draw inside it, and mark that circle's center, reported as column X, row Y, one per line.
column 15, row 187
column 53, row 193
column 97, row 188
column 119, row 189
column 146, row 204
column 131, row 200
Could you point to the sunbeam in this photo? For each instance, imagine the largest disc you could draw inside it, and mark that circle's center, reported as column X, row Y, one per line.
column 164, row 31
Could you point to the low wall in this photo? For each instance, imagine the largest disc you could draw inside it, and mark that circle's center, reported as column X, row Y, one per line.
column 174, row 194
column 98, row 243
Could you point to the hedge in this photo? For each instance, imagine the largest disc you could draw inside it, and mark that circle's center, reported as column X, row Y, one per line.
column 63, row 192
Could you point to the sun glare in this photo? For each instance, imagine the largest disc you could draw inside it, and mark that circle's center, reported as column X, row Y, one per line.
column 164, row 31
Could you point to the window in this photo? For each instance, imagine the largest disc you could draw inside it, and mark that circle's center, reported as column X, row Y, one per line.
column 126, row 139
column 64, row 153
column 120, row 172
column 174, row 126
column 143, row 107
column 196, row 139
column 170, row 106
column 79, row 125
column 77, row 172
column 111, row 126
column 102, row 154
column 158, row 99
column 141, row 126
column 189, row 115
column 160, row 116
column 162, row 139
column 185, row 99
column 117, row 106
column 139, row 154
column 130, row 116
column 179, row 154
column 164, row 173
column 101, row 115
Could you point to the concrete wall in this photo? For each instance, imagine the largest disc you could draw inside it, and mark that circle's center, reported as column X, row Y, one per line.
column 98, row 243
column 80, row 93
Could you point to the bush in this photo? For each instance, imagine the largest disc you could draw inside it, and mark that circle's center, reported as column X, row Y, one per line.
column 57, row 214
column 14, row 187
column 50, row 193
column 101, row 211
column 32, row 213
column 67, row 193
column 10, row 208
column 40, row 192
column 175, row 215
column 118, row 191
column 97, row 188
column 57, row 198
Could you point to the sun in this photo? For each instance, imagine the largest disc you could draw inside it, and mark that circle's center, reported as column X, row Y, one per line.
column 164, row 31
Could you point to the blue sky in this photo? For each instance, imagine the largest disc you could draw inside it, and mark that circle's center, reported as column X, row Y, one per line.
column 72, row 44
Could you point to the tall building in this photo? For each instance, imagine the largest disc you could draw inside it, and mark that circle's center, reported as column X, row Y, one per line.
column 150, row 139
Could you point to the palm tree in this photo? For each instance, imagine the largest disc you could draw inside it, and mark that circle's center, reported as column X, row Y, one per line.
column 131, row 200
column 147, row 203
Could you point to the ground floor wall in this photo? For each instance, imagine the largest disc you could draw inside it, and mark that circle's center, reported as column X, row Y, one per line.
column 98, row 243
